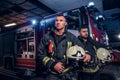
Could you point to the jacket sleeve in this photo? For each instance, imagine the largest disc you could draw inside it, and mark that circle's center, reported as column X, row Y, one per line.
column 81, row 45
column 43, row 53
column 98, row 44
column 101, row 45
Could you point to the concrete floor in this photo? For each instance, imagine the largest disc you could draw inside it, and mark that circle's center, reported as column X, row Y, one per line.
column 110, row 72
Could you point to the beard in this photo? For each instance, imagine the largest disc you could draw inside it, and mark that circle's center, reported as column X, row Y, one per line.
column 85, row 37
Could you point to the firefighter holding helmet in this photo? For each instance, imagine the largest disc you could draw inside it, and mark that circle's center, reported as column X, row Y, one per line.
column 52, row 52
column 98, row 52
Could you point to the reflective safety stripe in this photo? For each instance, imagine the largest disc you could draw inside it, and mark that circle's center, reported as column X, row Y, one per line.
column 96, row 59
column 69, row 44
column 52, row 53
column 95, row 48
column 67, row 69
column 45, row 60
column 52, row 59
column 89, row 70
column 64, row 56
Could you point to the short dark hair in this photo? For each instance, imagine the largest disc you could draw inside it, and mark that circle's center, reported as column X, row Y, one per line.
column 60, row 15
column 83, row 26
column 63, row 16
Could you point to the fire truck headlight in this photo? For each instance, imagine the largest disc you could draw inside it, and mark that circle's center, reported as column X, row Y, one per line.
column 99, row 17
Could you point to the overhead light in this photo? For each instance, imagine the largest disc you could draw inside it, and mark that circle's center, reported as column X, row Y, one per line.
column 91, row 4
column 11, row 24
column 34, row 22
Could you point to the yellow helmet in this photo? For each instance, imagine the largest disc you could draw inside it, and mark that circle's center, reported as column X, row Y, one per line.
column 103, row 54
column 75, row 52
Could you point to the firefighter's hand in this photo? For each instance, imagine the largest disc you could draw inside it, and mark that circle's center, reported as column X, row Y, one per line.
column 86, row 58
column 59, row 67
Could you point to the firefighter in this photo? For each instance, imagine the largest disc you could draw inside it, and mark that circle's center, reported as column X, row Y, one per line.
column 90, row 70
column 52, row 51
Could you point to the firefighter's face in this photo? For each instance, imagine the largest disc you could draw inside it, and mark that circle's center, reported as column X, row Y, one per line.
column 84, row 32
column 60, row 22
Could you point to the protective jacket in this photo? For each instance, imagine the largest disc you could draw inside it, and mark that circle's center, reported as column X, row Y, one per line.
column 52, row 48
column 91, row 46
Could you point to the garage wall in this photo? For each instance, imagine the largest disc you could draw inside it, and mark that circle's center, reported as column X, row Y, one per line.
column 1, row 50
column 6, row 45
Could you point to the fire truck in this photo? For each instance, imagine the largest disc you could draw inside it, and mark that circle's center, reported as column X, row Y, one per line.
column 90, row 16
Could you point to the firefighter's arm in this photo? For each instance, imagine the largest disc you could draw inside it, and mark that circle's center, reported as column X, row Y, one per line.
column 47, row 61
column 87, row 56
column 59, row 67
column 42, row 54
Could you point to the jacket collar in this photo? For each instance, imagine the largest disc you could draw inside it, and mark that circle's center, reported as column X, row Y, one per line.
column 52, row 33
column 81, row 39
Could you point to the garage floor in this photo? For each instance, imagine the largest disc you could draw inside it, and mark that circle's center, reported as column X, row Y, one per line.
column 110, row 72
column 113, row 70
